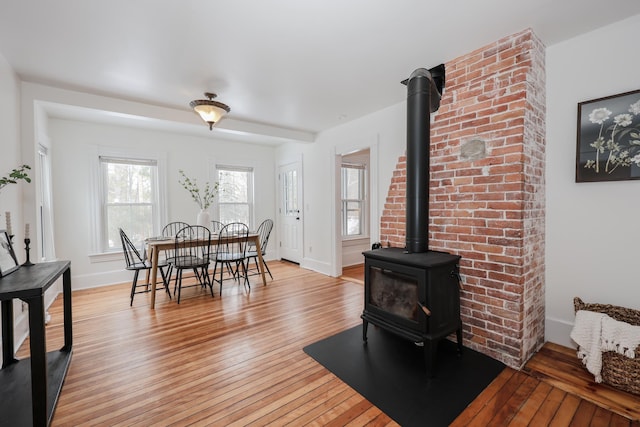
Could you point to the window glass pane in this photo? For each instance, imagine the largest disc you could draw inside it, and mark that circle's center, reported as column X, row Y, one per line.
column 290, row 192
column 234, row 213
column 135, row 220
column 235, row 198
column 233, row 186
column 352, row 183
column 128, row 183
column 353, row 200
column 129, row 201
column 353, row 215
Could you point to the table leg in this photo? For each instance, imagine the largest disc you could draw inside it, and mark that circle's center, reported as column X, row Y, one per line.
column 260, row 262
column 66, row 301
column 38, row 359
column 154, row 275
column 8, row 351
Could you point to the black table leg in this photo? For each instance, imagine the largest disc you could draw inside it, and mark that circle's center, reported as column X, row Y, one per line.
column 66, row 294
column 8, row 352
column 38, row 349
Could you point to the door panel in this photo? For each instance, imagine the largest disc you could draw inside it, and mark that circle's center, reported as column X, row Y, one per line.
column 290, row 212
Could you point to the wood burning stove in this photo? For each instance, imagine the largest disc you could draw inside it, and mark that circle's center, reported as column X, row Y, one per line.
column 415, row 296
column 412, row 291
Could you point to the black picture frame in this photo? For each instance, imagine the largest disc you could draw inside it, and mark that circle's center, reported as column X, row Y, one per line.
column 608, row 138
column 8, row 260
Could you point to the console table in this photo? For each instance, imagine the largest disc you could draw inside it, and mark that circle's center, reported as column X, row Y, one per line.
column 29, row 388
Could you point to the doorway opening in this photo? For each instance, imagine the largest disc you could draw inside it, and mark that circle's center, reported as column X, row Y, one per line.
column 355, row 201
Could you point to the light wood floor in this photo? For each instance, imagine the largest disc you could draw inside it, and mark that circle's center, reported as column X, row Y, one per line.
column 238, row 360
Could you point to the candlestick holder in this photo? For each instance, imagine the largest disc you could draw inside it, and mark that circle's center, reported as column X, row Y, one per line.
column 27, row 263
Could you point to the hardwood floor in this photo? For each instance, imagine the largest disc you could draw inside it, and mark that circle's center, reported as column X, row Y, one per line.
column 354, row 273
column 238, row 360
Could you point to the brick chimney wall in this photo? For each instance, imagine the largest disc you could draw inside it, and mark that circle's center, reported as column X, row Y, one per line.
column 486, row 198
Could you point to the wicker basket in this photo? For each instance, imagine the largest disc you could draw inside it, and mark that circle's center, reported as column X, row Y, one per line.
column 617, row 369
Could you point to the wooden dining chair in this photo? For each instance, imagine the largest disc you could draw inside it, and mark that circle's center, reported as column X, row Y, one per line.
column 231, row 251
column 192, row 257
column 136, row 263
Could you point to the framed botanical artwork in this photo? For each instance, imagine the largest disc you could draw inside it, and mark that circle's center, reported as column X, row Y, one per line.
column 8, row 260
column 609, row 138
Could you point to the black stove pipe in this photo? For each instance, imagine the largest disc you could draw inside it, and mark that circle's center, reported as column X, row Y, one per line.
column 424, row 89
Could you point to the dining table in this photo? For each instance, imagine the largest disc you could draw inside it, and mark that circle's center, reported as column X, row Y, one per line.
column 155, row 245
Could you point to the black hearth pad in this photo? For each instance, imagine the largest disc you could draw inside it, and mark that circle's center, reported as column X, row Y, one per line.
column 389, row 372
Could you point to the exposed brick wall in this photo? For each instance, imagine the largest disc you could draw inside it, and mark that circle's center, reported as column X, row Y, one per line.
column 489, row 208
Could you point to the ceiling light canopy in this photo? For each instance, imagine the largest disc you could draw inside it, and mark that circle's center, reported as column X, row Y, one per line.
column 211, row 111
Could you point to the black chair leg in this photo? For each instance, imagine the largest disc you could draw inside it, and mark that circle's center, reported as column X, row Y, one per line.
column 197, row 275
column 215, row 270
column 179, row 283
column 134, row 284
column 175, row 282
column 205, row 272
column 230, row 270
column 267, row 267
column 165, row 281
column 246, row 275
column 221, row 273
column 169, row 273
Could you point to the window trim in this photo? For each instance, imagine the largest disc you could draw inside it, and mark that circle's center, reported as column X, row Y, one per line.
column 46, row 248
column 251, row 191
column 96, row 190
column 364, row 202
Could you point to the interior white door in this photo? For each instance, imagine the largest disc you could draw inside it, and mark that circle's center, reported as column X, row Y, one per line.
column 290, row 211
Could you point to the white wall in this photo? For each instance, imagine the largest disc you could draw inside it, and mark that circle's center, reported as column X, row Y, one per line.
column 10, row 154
column 74, row 149
column 593, row 229
column 384, row 133
column 10, row 158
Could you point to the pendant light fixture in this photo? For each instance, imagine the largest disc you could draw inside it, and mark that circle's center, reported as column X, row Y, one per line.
column 211, row 111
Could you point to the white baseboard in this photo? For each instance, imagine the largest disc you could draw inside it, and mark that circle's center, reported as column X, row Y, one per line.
column 557, row 331
column 317, row 266
column 87, row 281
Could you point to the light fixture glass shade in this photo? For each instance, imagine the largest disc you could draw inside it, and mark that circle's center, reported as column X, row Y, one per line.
column 210, row 111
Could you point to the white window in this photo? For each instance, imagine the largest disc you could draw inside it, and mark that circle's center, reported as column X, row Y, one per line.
column 128, row 200
column 45, row 209
column 235, row 196
column 353, row 200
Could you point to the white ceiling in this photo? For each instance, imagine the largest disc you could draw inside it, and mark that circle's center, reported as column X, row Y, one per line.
column 304, row 65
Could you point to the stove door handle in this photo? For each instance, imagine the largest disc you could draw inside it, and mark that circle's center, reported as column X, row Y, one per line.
column 424, row 308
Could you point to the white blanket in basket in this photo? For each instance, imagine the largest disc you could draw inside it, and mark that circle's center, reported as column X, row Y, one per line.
column 597, row 332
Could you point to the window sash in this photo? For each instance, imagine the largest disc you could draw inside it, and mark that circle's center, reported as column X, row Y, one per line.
column 352, row 218
column 234, row 206
column 353, row 195
column 139, row 218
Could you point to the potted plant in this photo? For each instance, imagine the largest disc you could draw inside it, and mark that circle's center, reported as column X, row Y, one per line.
column 203, row 198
